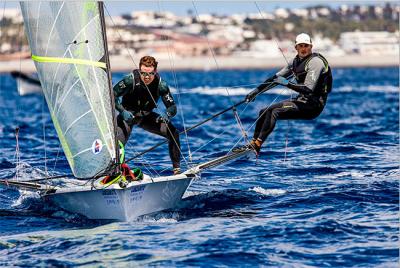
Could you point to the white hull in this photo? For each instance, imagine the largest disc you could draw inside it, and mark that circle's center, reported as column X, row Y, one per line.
column 123, row 204
column 25, row 88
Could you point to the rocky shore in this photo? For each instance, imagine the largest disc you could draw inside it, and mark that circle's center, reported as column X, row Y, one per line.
column 126, row 63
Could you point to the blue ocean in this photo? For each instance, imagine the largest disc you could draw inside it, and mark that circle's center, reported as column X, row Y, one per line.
column 322, row 193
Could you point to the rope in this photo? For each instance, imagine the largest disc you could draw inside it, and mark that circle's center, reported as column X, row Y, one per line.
column 152, row 171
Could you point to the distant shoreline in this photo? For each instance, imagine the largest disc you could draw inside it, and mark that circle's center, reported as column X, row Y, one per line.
column 126, row 64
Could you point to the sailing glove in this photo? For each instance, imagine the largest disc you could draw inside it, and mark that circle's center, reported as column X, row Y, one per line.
column 127, row 116
column 251, row 96
column 281, row 81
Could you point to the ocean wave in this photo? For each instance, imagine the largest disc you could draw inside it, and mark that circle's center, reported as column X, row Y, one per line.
column 25, row 198
column 367, row 88
column 268, row 192
column 159, row 217
column 329, row 199
column 228, row 91
column 242, row 91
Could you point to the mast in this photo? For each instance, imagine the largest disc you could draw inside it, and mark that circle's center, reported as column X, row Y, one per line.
column 108, row 70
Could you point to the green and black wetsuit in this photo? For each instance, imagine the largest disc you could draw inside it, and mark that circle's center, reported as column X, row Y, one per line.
column 133, row 95
column 314, row 81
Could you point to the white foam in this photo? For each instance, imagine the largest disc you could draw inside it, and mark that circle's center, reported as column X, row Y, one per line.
column 268, row 192
column 166, row 220
column 349, row 121
column 370, row 88
column 389, row 89
column 25, row 195
column 229, row 91
column 190, row 193
column 160, row 217
column 224, row 91
column 242, row 91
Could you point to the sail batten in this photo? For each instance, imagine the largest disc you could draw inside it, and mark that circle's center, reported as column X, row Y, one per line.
column 68, row 48
column 74, row 122
column 91, row 106
column 52, row 27
column 65, row 96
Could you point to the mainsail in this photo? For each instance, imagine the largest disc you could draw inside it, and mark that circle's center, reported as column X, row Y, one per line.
column 68, row 46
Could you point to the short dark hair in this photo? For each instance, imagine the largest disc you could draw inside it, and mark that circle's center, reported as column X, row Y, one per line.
column 148, row 61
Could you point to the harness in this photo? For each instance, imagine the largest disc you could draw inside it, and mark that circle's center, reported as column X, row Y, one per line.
column 142, row 99
column 324, row 84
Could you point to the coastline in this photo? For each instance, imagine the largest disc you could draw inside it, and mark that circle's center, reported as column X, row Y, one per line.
column 126, row 63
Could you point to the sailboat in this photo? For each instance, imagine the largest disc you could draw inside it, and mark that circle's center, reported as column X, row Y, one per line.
column 26, row 84
column 69, row 49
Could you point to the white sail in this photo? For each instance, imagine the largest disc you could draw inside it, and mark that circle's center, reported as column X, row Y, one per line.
column 68, row 46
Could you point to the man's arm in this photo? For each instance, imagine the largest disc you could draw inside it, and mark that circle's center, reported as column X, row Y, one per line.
column 120, row 89
column 269, row 83
column 167, row 99
column 314, row 70
column 285, row 72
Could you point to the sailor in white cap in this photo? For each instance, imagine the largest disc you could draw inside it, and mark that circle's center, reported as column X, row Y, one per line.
column 310, row 76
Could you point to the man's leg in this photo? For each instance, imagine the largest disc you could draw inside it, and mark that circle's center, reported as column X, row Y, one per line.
column 281, row 110
column 123, row 130
column 286, row 110
column 259, row 123
column 168, row 131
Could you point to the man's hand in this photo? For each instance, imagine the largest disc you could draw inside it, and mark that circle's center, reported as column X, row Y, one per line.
column 251, row 96
column 162, row 119
column 127, row 116
column 281, row 81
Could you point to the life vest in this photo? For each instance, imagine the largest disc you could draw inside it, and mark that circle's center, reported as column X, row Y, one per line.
column 142, row 97
column 324, row 83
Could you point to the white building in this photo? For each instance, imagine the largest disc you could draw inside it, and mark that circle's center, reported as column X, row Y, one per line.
column 371, row 43
column 261, row 49
column 281, row 13
column 14, row 14
column 230, row 33
column 300, row 12
column 326, row 47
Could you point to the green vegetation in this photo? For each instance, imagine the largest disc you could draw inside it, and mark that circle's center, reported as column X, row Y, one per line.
column 331, row 25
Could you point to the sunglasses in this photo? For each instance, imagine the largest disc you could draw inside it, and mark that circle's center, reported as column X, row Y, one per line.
column 147, row 74
column 303, row 45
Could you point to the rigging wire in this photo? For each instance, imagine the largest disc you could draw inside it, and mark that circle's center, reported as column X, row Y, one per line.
column 157, row 106
column 291, row 94
column 18, row 155
column 178, row 89
column 241, row 112
column 44, row 136
column 218, row 68
column 17, row 158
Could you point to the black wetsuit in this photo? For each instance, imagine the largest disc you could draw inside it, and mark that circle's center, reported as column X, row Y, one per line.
column 133, row 95
column 314, row 81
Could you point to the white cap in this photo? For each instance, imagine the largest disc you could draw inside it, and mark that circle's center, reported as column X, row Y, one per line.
column 303, row 38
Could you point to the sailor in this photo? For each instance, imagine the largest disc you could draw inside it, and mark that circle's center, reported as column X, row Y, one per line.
column 312, row 80
column 136, row 96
